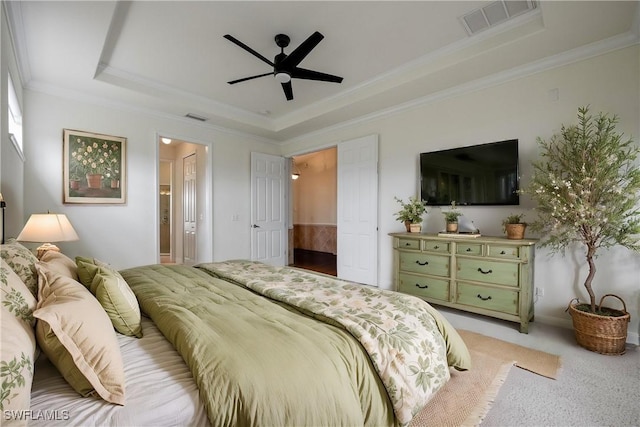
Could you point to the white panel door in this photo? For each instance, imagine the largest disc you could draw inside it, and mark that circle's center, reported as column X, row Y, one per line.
column 190, row 186
column 358, row 210
column 268, row 214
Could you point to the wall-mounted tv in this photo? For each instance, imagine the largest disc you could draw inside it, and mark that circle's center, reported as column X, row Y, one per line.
column 485, row 174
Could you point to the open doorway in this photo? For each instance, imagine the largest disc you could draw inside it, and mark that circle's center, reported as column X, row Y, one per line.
column 314, row 203
column 184, row 212
column 166, row 212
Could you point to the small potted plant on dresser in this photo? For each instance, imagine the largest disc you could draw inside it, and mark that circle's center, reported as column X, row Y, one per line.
column 451, row 218
column 514, row 226
column 587, row 189
column 411, row 213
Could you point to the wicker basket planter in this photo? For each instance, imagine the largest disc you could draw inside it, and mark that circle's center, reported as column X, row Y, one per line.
column 602, row 334
column 515, row 231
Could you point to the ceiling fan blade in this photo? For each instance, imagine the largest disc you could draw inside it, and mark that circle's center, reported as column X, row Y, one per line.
column 302, row 51
column 288, row 90
column 247, row 48
column 302, row 73
column 249, row 78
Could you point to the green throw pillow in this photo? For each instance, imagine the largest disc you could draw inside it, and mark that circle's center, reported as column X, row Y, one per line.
column 117, row 299
column 113, row 293
column 86, row 270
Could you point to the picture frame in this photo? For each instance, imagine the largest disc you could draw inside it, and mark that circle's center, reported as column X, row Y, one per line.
column 94, row 168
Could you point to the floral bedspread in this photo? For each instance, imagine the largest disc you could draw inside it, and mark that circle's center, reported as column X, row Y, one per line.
column 400, row 335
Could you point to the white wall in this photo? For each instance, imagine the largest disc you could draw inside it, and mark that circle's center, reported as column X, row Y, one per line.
column 11, row 164
column 127, row 235
column 520, row 109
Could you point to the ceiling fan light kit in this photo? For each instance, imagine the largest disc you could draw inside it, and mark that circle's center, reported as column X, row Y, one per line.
column 283, row 77
column 285, row 67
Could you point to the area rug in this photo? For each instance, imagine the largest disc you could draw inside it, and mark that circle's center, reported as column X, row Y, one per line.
column 467, row 397
column 536, row 361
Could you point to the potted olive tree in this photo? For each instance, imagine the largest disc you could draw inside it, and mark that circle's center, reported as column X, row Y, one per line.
column 587, row 189
column 411, row 213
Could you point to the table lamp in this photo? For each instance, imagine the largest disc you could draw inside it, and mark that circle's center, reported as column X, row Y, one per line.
column 47, row 228
column 2, row 206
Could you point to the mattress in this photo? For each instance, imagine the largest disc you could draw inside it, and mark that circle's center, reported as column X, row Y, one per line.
column 160, row 390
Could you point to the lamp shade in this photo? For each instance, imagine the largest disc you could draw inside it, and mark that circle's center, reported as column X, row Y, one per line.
column 48, row 228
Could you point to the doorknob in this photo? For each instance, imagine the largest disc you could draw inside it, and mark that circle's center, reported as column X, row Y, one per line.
column 255, row 226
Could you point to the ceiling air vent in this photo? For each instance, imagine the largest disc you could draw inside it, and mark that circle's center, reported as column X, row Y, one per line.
column 495, row 13
column 196, row 117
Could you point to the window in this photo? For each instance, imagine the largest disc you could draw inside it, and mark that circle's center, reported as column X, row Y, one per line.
column 15, row 119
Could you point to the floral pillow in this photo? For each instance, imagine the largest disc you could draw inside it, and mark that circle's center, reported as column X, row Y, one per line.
column 18, row 347
column 23, row 262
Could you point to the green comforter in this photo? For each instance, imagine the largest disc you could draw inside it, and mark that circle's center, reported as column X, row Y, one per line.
column 262, row 361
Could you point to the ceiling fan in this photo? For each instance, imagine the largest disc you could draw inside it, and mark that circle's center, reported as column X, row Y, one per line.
column 285, row 67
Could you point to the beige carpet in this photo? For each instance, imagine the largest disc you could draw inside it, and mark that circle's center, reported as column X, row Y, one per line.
column 467, row 397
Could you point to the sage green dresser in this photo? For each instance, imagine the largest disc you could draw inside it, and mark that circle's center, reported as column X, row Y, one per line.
column 492, row 276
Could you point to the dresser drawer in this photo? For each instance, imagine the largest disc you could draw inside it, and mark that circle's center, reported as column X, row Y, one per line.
column 424, row 263
column 424, row 286
column 409, row 244
column 435, row 246
column 503, row 273
column 509, row 252
column 502, row 300
column 469, row 249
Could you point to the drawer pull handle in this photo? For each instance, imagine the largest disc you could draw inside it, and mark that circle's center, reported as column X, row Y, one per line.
column 502, row 252
column 422, row 263
column 436, row 247
column 468, row 249
column 407, row 244
column 484, row 272
column 484, row 298
column 422, row 287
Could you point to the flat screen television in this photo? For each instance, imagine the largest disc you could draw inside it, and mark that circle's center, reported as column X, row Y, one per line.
column 484, row 174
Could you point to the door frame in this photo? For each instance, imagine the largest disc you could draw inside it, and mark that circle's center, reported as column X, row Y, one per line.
column 289, row 190
column 205, row 232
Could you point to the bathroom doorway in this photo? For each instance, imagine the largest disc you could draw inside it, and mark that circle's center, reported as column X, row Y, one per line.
column 166, row 212
column 184, row 202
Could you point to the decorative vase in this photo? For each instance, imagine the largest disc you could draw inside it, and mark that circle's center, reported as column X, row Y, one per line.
column 115, row 183
column 415, row 228
column 74, row 184
column 602, row 334
column 94, row 180
column 452, row 227
column 407, row 225
column 515, row 231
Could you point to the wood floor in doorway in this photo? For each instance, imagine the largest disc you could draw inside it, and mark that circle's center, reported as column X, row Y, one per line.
column 322, row 262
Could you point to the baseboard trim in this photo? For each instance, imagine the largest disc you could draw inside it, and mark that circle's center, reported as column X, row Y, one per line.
column 632, row 337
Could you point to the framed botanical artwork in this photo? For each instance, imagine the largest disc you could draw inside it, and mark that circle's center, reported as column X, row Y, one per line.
column 94, row 168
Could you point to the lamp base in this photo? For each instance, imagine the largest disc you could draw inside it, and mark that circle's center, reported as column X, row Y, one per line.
column 46, row 247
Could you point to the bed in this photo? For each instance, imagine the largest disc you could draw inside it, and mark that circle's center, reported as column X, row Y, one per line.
column 226, row 343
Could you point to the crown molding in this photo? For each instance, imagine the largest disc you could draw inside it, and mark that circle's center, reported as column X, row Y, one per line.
column 559, row 60
column 74, row 95
column 121, row 78
column 13, row 13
